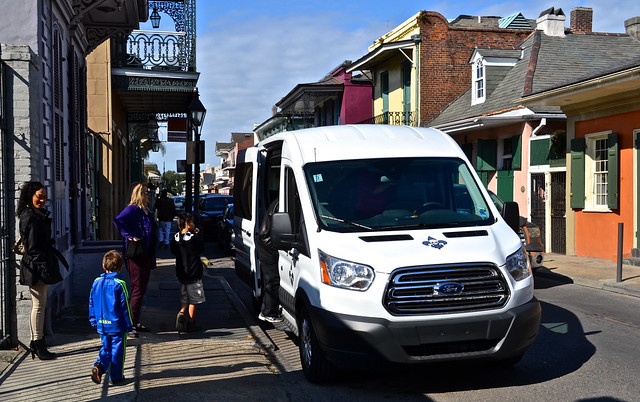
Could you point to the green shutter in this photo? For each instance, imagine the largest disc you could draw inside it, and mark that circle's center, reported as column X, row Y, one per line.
column 577, row 173
column 613, row 171
column 505, row 185
column 539, row 152
column 516, row 147
column 486, row 160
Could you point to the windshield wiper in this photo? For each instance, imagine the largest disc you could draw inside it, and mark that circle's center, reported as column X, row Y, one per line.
column 333, row 218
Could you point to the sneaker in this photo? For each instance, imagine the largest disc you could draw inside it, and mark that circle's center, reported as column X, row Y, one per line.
column 181, row 322
column 142, row 328
column 120, row 381
column 270, row 319
column 193, row 327
column 133, row 334
column 96, row 373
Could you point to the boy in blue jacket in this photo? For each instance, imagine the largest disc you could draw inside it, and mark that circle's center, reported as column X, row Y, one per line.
column 109, row 312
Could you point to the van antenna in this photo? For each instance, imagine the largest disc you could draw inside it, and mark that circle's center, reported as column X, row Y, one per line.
column 315, row 157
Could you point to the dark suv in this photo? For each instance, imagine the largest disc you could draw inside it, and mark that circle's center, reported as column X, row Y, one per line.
column 211, row 208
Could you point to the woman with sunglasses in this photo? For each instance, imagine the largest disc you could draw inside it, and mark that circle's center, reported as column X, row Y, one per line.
column 137, row 223
column 39, row 265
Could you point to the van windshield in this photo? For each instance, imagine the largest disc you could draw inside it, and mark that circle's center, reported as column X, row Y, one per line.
column 395, row 193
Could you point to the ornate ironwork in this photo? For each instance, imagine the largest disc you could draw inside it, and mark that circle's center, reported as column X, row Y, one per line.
column 164, row 51
column 143, row 117
column 393, row 118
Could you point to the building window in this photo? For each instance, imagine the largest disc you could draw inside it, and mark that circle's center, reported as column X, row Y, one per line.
column 599, row 186
column 478, row 82
column 507, row 154
column 600, row 172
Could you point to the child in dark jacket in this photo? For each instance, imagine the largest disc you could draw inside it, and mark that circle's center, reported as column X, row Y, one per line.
column 109, row 313
column 186, row 245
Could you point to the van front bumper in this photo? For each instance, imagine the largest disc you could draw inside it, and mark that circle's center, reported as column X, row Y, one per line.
column 353, row 341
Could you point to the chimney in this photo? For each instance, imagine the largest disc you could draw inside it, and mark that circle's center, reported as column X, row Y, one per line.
column 551, row 22
column 582, row 19
column 632, row 27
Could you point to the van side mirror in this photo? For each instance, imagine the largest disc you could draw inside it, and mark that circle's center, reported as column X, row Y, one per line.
column 511, row 214
column 281, row 235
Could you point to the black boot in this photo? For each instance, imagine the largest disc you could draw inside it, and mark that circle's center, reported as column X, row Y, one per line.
column 39, row 348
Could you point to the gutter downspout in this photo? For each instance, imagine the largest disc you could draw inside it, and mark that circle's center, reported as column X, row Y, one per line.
column 543, row 122
column 416, row 67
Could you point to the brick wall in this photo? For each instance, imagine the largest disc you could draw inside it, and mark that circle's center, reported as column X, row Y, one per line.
column 445, row 51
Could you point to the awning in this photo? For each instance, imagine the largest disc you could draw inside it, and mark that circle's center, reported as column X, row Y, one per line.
column 380, row 54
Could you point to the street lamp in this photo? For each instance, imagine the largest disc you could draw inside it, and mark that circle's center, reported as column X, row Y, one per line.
column 155, row 18
column 197, row 112
column 152, row 129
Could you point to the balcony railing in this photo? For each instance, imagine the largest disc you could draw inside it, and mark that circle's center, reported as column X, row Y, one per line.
column 393, row 118
column 153, row 50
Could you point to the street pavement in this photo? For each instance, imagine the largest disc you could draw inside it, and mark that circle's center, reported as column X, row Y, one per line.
column 233, row 358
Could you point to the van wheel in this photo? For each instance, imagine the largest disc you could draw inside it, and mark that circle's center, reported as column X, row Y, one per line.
column 315, row 366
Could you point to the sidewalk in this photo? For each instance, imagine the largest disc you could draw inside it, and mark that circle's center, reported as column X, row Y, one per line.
column 593, row 272
column 230, row 360
column 226, row 361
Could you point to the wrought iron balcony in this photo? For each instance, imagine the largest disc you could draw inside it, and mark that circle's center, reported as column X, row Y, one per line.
column 152, row 50
column 393, row 118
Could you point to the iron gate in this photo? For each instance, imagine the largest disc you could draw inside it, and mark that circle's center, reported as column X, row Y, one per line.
column 7, row 227
column 558, row 213
column 538, row 202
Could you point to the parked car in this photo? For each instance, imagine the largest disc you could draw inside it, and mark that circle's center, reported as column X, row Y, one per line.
column 530, row 235
column 225, row 230
column 178, row 201
column 210, row 210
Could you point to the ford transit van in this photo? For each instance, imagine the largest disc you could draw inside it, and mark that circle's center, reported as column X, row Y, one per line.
column 390, row 248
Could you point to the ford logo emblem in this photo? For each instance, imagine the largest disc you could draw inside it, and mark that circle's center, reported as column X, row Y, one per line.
column 448, row 288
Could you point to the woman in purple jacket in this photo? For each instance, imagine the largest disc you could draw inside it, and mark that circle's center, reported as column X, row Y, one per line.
column 137, row 223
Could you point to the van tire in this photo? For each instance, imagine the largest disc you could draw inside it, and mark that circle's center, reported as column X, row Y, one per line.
column 315, row 366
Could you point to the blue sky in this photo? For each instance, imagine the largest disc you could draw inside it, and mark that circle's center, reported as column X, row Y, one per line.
column 252, row 53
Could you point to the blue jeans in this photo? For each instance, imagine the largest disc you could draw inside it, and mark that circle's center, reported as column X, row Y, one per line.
column 164, row 232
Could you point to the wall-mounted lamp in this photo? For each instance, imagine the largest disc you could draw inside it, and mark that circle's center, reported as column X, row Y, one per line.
column 155, row 146
column 152, row 129
column 155, row 18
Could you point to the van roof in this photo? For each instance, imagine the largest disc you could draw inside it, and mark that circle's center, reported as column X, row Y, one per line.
column 365, row 141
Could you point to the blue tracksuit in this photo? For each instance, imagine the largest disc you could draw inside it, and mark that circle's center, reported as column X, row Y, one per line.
column 109, row 312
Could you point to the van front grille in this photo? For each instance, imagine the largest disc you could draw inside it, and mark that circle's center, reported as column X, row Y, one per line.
column 445, row 289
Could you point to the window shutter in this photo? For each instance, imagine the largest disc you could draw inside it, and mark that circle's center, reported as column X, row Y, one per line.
column 577, row 172
column 613, row 168
column 486, row 160
column 516, row 149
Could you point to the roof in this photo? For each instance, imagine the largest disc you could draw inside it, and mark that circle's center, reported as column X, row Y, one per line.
column 515, row 21
column 363, row 141
column 546, row 62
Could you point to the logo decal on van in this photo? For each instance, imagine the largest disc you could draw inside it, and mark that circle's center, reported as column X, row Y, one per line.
column 447, row 288
column 435, row 243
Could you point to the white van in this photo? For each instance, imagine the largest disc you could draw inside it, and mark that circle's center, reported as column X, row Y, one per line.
column 390, row 248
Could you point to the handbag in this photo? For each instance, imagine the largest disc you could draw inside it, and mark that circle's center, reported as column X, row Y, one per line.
column 135, row 249
column 18, row 247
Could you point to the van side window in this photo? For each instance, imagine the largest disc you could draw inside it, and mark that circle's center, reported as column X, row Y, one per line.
column 243, row 195
column 294, row 208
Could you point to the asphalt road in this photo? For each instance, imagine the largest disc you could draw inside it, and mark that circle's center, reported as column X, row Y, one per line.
column 587, row 349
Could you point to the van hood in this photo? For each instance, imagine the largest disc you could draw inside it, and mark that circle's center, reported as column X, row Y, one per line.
column 386, row 251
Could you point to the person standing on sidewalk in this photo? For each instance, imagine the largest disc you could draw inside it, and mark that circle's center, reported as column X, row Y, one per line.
column 109, row 313
column 165, row 211
column 187, row 247
column 39, row 265
column 268, row 256
column 136, row 223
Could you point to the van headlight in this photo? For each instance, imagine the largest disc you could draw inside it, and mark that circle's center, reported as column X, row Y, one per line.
column 518, row 265
column 345, row 274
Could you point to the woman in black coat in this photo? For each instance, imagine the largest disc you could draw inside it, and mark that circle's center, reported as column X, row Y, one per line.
column 39, row 266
